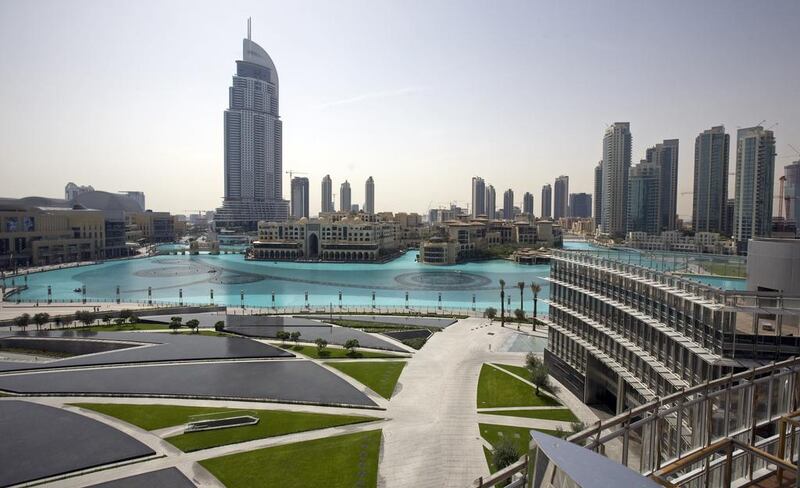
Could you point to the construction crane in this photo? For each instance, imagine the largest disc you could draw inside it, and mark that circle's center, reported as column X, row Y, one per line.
column 292, row 173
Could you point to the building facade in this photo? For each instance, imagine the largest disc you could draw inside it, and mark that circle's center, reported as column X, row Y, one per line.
column 527, row 204
column 561, row 198
column 478, row 196
column 644, row 198
column 253, row 144
column 71, row 190
column 508, row 204
column 369, row 196
column 580, row 205
column 665, row 157
column 755, row 173
column 491, row 203
column 345, row 202
column 710, row 196
column 547, row 201
column 598, row 193
column 616, row 165
column 326, row 205
column 300, row 190
column 791, row 198
column 327, row 239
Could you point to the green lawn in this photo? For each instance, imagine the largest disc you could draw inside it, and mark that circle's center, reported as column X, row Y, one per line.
column 498, row 389
column 338, row 353
column 122, row 328
column 272, row 423
column 333, row 462
column 381, row 376
column 520, row 371
column 563, row 414
column 520, row 436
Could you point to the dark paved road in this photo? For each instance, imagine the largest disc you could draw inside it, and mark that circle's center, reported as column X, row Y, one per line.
column 163, row 478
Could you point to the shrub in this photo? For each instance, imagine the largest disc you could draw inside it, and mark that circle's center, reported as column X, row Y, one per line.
column 351, row 345
column 490, row 313
column 504, row 454
column 219, row 326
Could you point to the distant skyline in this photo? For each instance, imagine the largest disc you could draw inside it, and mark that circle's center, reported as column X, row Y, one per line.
column 421, row 96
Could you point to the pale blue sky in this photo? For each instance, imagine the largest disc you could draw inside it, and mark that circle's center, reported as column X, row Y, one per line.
column 420, row 95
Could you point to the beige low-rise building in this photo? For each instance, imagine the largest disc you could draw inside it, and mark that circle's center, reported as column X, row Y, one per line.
column 345, row 238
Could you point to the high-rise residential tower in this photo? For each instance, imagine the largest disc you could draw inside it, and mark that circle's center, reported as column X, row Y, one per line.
column 580, row 205
column 253, row 144
column 755, row 171
column 478, row 196
column 561, row 197
column 508, row 204
column 299, row 205
column 644, row 198
column 665, row 157
column 527, row 204
column 547, row 201
column 327, row 195
column 616, row 165
column 710, row 196
column 598, row 193
column 791, row 198
column 345, row 204
column 369, row 196
column 491, row 203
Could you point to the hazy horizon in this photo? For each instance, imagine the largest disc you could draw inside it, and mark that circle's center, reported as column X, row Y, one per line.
column 422, row 96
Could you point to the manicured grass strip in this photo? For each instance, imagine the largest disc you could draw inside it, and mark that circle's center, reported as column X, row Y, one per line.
column 334, row 462
column 381, row 376
column 121, row 328
column 520, row 436
column 272, row 423
column 498, row 389
column 338, row 353
column 520, row 371
column 562, row 414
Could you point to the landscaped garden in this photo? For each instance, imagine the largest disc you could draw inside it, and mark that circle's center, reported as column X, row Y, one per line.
column 329, row 352
column 498, row 389
column 271, row 423
column 380, row 376
column 343, row 461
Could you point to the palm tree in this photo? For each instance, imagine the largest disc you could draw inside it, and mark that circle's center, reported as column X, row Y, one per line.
column 521, row 286
column 502, row 303
column 535, row 289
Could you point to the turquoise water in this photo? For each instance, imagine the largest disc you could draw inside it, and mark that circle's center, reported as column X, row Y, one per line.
column 230, row 275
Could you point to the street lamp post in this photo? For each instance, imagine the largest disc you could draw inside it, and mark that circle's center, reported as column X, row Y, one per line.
column 306, row 299
column 340, row 299
column 473, row 302
column 373, row 298
column 180, row 297
column 83, row 293
column 49, row 295
column 241, row 298
column 149, row 295
column 273, row 299
column 440, row 300
column 212, row 296
column 117, row 293
column 406, row 299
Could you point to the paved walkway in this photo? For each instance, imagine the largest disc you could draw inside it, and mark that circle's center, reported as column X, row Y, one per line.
column 432, row 438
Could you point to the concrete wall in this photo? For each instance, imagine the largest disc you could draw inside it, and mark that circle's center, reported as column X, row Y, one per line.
column 774, row 264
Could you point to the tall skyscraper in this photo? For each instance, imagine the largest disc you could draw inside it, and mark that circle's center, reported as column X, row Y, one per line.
column 508, row 204
column 665, row 157
column 616, row 165
column 598, row 193
column 369, row 198
column 644, row 198
column 478, row 196
column 710, row 197
column 547, row 201
column 755, row 173
column 580, row 205
column 491, row 203
column 253, row 144
column 561, row 197
column 327, row 195
column 527, row 203
column 791, row 195
column 345, row 204
column 299, row 197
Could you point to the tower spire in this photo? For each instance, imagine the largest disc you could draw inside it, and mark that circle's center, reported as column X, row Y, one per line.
column 248, row 28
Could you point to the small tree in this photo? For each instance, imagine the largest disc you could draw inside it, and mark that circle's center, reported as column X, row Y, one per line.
column 351, row 345
column 321, row 345
column 519, row 314
column 504, row 454
column 577, row 426
column 175, row 324
column 295, row 336
column 119, row 322
column 107, row 318
column 58, row 321
column 125, row 314
column 22, row 321
column 193, row 324
column 40, row 319
column 219, row 326
column 85, row 317
column 283, row 336
column 490, row 313
column 133, row 320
